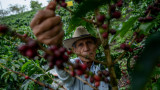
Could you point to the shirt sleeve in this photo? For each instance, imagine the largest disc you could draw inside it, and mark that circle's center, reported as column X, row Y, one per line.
column 67, row 79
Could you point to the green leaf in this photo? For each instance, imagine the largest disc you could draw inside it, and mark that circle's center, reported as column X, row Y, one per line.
column 145, row 27
column 25, row 66
column 14, row 76
column 4, row 74
column 88, row 5
column 127, row 25
column 146, row 62
column 90, row 28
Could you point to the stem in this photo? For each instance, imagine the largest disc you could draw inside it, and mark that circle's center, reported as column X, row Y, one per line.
column 48, row 75
column 26, row 76
column 109, row 59
column 82, row 80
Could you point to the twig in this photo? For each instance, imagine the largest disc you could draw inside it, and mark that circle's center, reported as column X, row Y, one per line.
column 48, row 76
column 82, row 80
column 26, row 76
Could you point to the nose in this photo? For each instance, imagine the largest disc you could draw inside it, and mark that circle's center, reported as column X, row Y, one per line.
column 86, row 47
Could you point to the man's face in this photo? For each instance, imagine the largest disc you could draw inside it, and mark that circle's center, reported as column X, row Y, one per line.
column 85, row 47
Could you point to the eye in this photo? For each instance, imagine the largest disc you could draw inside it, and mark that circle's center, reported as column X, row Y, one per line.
column 80, row 44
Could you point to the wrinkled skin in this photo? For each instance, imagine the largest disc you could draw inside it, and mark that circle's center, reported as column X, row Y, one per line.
column 85, row 47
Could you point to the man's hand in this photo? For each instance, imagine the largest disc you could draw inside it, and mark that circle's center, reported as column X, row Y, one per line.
column 47, row 27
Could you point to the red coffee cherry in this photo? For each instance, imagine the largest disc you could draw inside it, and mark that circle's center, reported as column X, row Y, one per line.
column 149, row 18
column 105, row 35
column 97, row 78
column 104, row 26
column 27, row 77
column 101, row 18
column 112, row 31
column 83, row 66
column 25, row 35
column 72, row 73
column 53, row 48
column 91, row 79
column 135, row 57
column 141, row 19
column 33, row 44
column 97, row 83
column 113, row 8
column 69, row 52
column 128, row 81
column 57, row 53
column 59, row 63
column 3, row 29
column 79, row 72
column 63, row 4
column 65, row 58
column 62, row 50
column 119, row 3
column 116, row 14
column 23, row 48
column 86, row 76
column 31, row 53
column 125, row 46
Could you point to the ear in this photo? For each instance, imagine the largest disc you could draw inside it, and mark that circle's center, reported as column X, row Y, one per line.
column 74, row 49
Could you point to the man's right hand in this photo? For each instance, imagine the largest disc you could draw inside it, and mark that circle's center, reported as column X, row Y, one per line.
column 47, row 27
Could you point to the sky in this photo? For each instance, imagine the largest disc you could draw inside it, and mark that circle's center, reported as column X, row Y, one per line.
column 4, row 4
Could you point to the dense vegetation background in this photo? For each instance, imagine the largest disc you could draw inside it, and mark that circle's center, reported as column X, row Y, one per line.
column 125, row 27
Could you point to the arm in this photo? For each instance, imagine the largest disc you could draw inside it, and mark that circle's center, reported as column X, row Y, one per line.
column 48, row 30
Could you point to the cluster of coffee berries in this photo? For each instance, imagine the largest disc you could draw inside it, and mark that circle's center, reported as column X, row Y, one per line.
column 77, row 68
column 30, row 48
column 145, row 19
column 100, row 76
column 58, row 57
column 62, row 3
column 104, row 33
column 3, row 29
column 139, row 37
column 115, row 13
column 126, row 47
column 152, row 9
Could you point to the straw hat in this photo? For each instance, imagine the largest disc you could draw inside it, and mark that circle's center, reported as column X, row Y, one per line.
column 79, row 33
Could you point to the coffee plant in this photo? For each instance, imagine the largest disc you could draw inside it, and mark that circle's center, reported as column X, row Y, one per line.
column 129, row 35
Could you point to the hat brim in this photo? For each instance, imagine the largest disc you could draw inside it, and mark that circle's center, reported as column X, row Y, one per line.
column 69, row 42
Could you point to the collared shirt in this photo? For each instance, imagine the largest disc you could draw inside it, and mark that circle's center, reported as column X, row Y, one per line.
column 72, row 83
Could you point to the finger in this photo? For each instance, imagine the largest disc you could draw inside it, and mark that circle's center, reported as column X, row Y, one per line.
column 51, row 5
column 40, row 16
column 55, row 40
column 47, row 25
column 50, row 33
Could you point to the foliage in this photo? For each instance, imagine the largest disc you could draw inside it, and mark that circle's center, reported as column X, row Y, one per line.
column 125, row 26
column 35, row 5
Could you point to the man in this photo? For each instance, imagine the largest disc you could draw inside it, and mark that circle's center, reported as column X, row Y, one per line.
column 48, row 29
